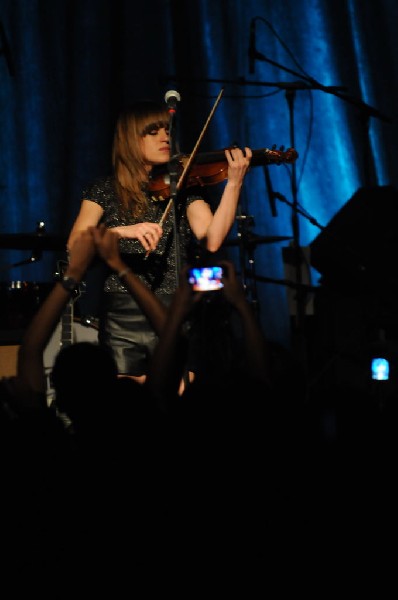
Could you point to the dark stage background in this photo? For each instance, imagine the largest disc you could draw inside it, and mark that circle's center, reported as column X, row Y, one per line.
column 323, row 80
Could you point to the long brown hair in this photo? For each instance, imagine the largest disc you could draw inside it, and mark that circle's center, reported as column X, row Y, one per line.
column 127, row 158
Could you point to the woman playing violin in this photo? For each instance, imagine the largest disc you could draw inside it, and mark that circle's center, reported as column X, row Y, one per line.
column 123, row 202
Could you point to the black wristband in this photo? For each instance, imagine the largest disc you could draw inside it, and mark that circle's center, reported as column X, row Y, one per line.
column 68, row 283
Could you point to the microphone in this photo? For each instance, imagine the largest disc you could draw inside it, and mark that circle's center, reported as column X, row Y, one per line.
column 271, row 195
column 252, row 46
column 171, row 98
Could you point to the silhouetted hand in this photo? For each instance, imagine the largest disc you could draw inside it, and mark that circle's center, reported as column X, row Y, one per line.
column 233, row 289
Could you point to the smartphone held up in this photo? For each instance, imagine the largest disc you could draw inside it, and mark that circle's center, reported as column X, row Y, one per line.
column 206, row 279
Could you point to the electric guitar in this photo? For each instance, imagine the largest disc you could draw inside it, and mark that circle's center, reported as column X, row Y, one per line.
column 68, row 316
column 68, row 331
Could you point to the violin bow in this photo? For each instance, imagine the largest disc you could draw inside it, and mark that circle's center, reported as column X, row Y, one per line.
column 192, row 156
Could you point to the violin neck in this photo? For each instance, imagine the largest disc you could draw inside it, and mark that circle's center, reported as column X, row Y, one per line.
column 264, row 156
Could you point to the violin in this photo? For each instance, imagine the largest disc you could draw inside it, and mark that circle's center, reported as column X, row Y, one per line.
column 209, row 168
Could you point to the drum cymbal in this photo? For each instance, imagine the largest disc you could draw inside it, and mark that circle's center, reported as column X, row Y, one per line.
column 32, row 241
column 254, row 240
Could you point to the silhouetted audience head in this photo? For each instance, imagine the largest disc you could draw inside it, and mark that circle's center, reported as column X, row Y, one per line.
column 84, row 377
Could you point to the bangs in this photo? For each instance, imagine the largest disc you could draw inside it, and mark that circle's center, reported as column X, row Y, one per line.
column 149, row 116
column 155, row 126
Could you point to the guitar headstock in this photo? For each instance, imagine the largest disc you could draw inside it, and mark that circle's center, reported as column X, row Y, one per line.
column 61, row 268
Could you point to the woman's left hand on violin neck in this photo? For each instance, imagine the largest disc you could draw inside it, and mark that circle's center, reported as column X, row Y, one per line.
column 238, row 164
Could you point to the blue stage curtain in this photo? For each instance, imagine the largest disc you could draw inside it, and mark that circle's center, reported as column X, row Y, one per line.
column 66, row 67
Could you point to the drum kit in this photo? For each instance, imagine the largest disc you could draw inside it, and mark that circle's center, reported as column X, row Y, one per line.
column 251, row 240
column 36, row 242
column 246, row 241
column 20, row 299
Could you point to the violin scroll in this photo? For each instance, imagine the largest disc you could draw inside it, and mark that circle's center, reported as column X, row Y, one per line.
column 277, row 157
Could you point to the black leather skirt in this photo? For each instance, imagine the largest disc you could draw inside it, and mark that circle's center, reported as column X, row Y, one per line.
column 127, row 332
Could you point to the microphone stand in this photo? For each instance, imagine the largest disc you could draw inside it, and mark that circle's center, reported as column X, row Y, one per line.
column 245, row 223
column 270, row 191
column 173, row 175
column 307, row 83
column 290, row 95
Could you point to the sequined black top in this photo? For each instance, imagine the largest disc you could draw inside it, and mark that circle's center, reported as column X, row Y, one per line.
column 158, row 270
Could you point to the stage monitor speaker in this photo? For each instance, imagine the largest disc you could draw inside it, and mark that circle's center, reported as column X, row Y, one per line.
column 359, row 246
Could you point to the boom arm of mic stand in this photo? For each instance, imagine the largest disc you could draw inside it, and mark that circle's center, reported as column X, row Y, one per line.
column 35, row 256
column 298, row 85
column 310, row 83
column 309, row 218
